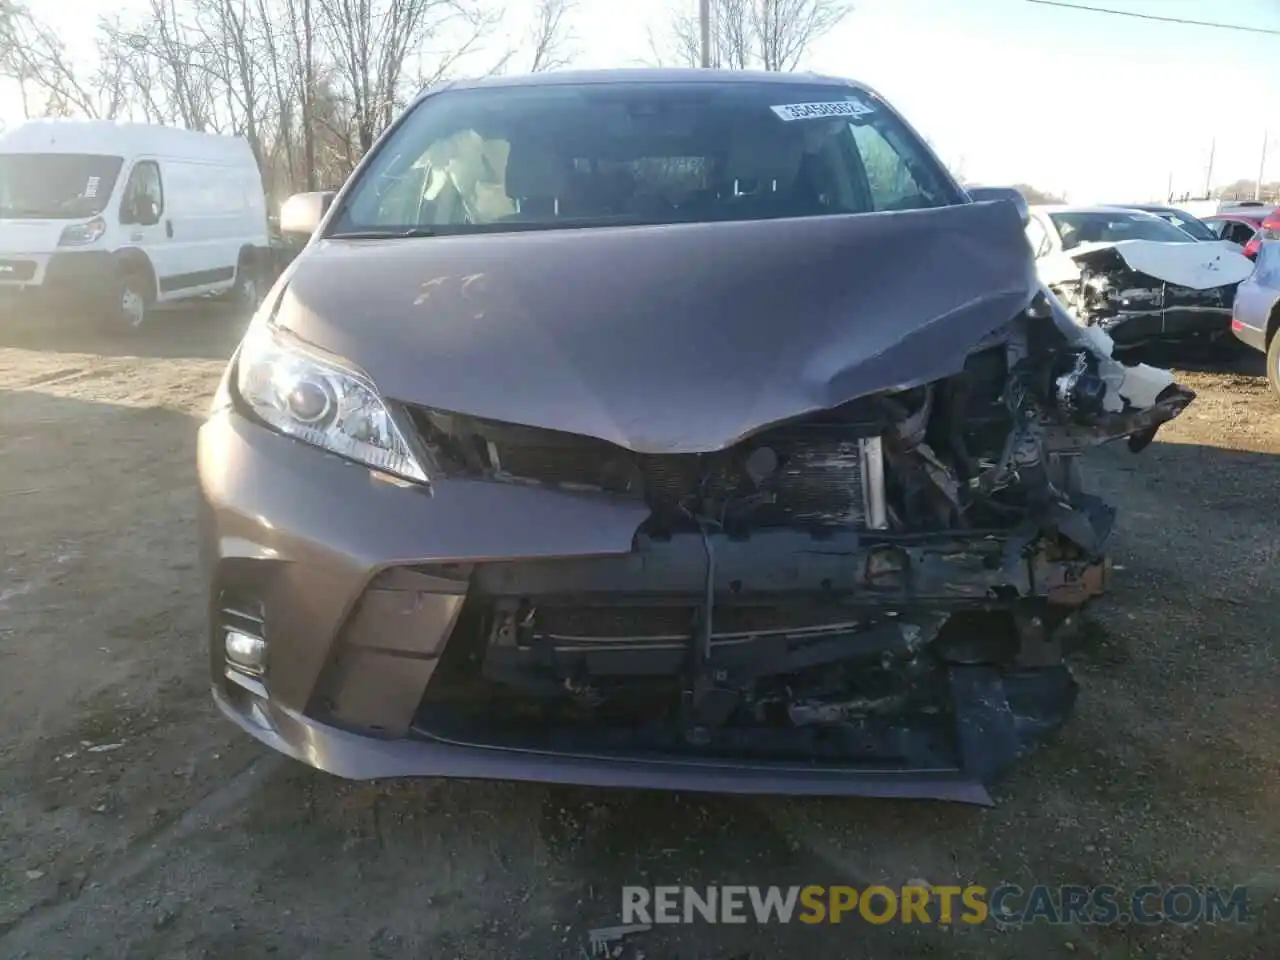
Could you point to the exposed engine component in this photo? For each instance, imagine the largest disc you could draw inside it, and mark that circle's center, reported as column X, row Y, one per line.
column 825, row 471
column 1080, row 392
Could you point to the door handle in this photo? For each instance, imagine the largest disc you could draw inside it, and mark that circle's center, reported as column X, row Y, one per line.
column 168, row 229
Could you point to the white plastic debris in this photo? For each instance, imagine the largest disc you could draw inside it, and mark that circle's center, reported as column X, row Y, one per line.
column 1143, row 383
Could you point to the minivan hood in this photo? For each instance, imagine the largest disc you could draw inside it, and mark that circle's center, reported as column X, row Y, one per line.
column 666, row 339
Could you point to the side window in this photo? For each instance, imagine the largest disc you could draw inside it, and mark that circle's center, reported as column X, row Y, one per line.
column 893, row 187
column 143, row 201
column 1038, row 237
column 460, row 179
column 1240, row 233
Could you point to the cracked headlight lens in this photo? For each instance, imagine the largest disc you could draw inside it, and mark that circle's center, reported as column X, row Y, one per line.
column 321, row 400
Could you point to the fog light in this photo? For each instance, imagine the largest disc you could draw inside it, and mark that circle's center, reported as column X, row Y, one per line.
column 246, row 652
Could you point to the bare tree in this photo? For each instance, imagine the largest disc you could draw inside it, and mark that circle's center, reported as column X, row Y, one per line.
column 32, row 55
column 299, row 23
column 183, row 73
column 230, row 32
column 551, row 35
column 309, row 83
column 732, row 37
column 746, row 34
column 372, row 41
column 785, row 29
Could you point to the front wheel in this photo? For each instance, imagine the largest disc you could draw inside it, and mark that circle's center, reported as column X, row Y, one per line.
column 247, row 293
column 132, row 308
column 1273, row 362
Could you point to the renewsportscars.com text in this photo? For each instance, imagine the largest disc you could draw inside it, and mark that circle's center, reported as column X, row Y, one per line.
column 1006, row 904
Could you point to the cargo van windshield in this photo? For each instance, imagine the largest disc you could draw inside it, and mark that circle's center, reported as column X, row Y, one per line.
column 63, row 186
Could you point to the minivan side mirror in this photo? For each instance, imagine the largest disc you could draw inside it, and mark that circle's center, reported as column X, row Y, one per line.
column 302, row 213
column 984, row 194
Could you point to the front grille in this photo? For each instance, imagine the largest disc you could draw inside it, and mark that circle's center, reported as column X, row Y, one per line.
column 804, row 474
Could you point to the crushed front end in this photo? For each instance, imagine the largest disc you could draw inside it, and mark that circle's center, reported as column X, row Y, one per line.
column 878, row 587
column 1135, row 307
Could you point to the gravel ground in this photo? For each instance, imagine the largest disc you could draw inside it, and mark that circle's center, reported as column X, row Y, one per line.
column 135, row 822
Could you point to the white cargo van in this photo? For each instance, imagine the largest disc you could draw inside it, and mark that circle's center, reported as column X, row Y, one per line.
column 118, row 217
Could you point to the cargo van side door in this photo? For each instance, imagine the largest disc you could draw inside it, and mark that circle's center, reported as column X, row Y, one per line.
column 144, row 223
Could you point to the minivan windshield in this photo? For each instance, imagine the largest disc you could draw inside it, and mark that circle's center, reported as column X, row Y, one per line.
column 572, row 155
column 1096, row 226
column 64, row 186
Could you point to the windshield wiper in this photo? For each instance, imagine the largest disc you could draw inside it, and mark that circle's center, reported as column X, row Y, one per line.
column 382, row 234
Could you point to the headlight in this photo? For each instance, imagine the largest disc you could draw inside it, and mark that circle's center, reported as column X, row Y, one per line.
column 82, row 234
column 322, row 401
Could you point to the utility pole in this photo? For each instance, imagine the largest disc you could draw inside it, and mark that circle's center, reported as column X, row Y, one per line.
column 1262, row 167
column 1168, row 194
column 704, row 22
column 1208, row 174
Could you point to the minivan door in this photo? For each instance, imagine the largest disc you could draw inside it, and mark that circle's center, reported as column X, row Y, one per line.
column 146, row 225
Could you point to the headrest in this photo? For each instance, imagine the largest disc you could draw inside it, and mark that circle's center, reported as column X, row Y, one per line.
column 764, row 154
column 535, row 170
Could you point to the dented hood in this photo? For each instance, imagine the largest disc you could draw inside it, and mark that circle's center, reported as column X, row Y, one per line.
column 1198, row 266
column 666, row 339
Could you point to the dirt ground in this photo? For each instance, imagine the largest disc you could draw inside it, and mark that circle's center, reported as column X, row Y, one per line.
column 135, row 822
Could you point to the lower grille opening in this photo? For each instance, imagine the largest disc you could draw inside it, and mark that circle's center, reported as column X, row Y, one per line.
column 612, row 678
column 809, row 683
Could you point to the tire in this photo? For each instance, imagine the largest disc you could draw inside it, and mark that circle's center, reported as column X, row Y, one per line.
column 1273, row 362
column 133, row 302
column 246, row 295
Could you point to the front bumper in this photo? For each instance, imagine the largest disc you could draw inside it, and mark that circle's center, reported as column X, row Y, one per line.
column 66, row 280
column 359, row 757
column 1175, row 323
column 359, row 582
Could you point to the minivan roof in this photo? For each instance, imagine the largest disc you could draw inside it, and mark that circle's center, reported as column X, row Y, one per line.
column 110, row 138
column 654, row 75
column 554, row 78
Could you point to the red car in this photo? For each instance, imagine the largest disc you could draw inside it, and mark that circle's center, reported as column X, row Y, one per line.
column 1247, row 226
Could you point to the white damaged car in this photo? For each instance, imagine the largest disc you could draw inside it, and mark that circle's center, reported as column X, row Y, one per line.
column 1134, row 275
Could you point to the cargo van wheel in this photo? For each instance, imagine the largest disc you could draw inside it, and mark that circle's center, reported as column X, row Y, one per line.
column 133, row 306
column 247, row 293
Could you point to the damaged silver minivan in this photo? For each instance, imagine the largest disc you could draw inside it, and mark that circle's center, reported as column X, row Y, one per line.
column 685, row 429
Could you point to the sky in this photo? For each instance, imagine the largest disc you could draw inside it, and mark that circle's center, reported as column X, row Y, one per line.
column 1085, row 105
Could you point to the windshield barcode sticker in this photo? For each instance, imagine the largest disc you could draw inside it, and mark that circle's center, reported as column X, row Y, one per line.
column 91, row 188
column 814, row 111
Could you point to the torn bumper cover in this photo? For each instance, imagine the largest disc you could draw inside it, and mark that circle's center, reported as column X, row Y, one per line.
column 857, row 589
column 1143, row 290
